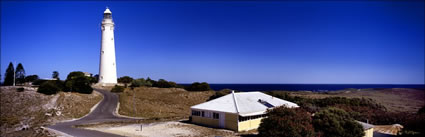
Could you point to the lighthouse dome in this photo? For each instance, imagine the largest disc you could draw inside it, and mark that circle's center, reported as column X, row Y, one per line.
column 107, row 11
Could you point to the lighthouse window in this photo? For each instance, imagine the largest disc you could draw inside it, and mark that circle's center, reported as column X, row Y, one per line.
column 102, row 52
column 113, row 64
column 112, row 38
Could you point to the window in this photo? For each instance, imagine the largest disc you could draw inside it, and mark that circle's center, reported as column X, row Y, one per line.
column 196, row 113
column 216, row 115
column 265, row 103
column 202, row 114
column 241, row 118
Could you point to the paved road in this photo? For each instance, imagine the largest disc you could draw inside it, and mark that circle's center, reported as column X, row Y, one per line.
column 103, row 113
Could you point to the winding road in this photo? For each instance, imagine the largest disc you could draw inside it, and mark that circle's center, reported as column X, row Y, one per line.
column 104, row 112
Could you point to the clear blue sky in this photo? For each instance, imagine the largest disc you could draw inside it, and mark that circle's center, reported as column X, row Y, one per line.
column 356, row 42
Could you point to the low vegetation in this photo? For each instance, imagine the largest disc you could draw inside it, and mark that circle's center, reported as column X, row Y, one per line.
column 334, row 122
column 362, row 109
column 117, row 89
column 196, row 86
column 162, row 83
column 287, row 122
column 160, row 103
column 297, row 122
column 77, row 82
column 23, row 113
column 50, row 87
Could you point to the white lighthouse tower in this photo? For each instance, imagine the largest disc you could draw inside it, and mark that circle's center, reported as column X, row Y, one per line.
column 107, row 66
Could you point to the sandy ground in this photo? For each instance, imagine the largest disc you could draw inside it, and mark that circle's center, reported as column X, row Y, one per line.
column 172, row 129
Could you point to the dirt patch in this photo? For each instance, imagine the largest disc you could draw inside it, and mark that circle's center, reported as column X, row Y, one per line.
column 149, row 102
column 172, row 128
column 23, row 113
column 395, row 99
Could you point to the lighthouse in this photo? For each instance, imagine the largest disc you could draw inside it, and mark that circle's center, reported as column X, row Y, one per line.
column 107, row 65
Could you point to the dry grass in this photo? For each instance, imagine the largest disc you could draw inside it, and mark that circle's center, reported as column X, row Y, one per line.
column 395, row 99
column 33, row 110
column 150, row 102
column 76, row 105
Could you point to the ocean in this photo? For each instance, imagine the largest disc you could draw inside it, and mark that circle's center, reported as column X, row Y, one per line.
column 306, row 87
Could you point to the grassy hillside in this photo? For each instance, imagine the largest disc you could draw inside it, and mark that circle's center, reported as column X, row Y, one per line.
column 23, row 113
column 151, row 102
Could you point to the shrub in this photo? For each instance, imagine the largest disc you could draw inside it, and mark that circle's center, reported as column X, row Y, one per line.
column 161, row 83
column 334, row 122
column 117, row 89
column 76, row 81
column 20, row 89
column 220, row 93
column 286, row 122
column 31, row 78
column 415, row 125
column 125, row 79
column 140, row 82
column 196, row 86
column 49, row 87
column 38, row 82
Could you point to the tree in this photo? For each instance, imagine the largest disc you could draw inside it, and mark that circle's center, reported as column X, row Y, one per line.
column 20, row 74
column 76, row 81
column 286, row 122
column 55, row 75
column 334, row 122
column 9, row 75
column 153, row 82
column 125, row 79
column 196, row 86
column 96, row 78
column 31, row 78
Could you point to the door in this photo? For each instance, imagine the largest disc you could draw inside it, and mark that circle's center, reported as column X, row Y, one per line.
column 222, row 121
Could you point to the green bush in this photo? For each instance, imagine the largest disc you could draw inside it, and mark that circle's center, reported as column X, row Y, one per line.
column 38, row 82
column 286, row 122
column 20, row 89
column 31, row 78
column 49, row 87
column 117, row 89
column 334, row 122
column 161, row 83
column 415, row 125
column 125, row 79
column 196, row 86
column 140, row 82
column 220, row 93
column 77, row 82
